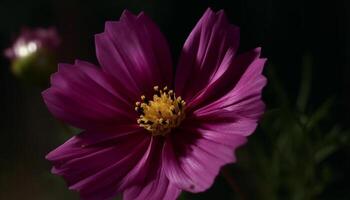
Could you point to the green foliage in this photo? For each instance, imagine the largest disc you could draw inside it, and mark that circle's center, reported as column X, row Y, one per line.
column 288, row 160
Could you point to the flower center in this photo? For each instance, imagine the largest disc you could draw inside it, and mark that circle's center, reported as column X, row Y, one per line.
column 162, row 113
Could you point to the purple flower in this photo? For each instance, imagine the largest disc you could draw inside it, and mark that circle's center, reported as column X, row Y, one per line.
column 141, row 138
column 32, row 40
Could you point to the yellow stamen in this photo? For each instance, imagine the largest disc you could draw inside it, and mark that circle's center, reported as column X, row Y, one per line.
column 162, row 113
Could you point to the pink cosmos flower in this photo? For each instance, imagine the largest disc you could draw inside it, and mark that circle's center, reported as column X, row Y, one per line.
column 141, row 138
column 31, row 40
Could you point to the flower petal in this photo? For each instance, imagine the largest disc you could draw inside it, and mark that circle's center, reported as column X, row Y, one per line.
column 97, row 164
column 159, row 188
column 83, row 96
column 134, row 51
column 156, row 184
column 193, row 156
column 204, row 52
column 224, row 122
column 243, row 97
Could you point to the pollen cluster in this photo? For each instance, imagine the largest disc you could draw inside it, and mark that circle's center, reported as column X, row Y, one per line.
column 162, row 113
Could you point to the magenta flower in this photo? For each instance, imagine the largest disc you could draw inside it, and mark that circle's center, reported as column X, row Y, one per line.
column 141, row 138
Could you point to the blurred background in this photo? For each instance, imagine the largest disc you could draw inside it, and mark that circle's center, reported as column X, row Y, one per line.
column 301, row 149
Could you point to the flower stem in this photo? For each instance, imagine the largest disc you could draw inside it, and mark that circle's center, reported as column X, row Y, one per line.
column 226, row 174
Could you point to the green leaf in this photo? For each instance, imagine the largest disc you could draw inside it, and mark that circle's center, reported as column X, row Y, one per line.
column 325, row 152
column 322, row 112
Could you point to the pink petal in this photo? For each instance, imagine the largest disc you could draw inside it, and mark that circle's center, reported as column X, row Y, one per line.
column 245, row 97
column 238, row 89
column 156, row 184
column 134, row 51
column 97, row 164
column 193, row 156
column 83, row 96
column 159, row 188
column 205, row 52
column 225, row 123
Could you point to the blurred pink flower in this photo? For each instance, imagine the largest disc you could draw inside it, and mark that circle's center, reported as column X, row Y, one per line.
column 33, row 55
column 31, row 40
column 140, row 137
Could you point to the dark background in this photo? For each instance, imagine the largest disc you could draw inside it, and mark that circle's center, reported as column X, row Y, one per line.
column 287, row 31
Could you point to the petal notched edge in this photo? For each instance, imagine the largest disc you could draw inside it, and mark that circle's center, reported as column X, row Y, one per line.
column 204, row 52
column 135, row 52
